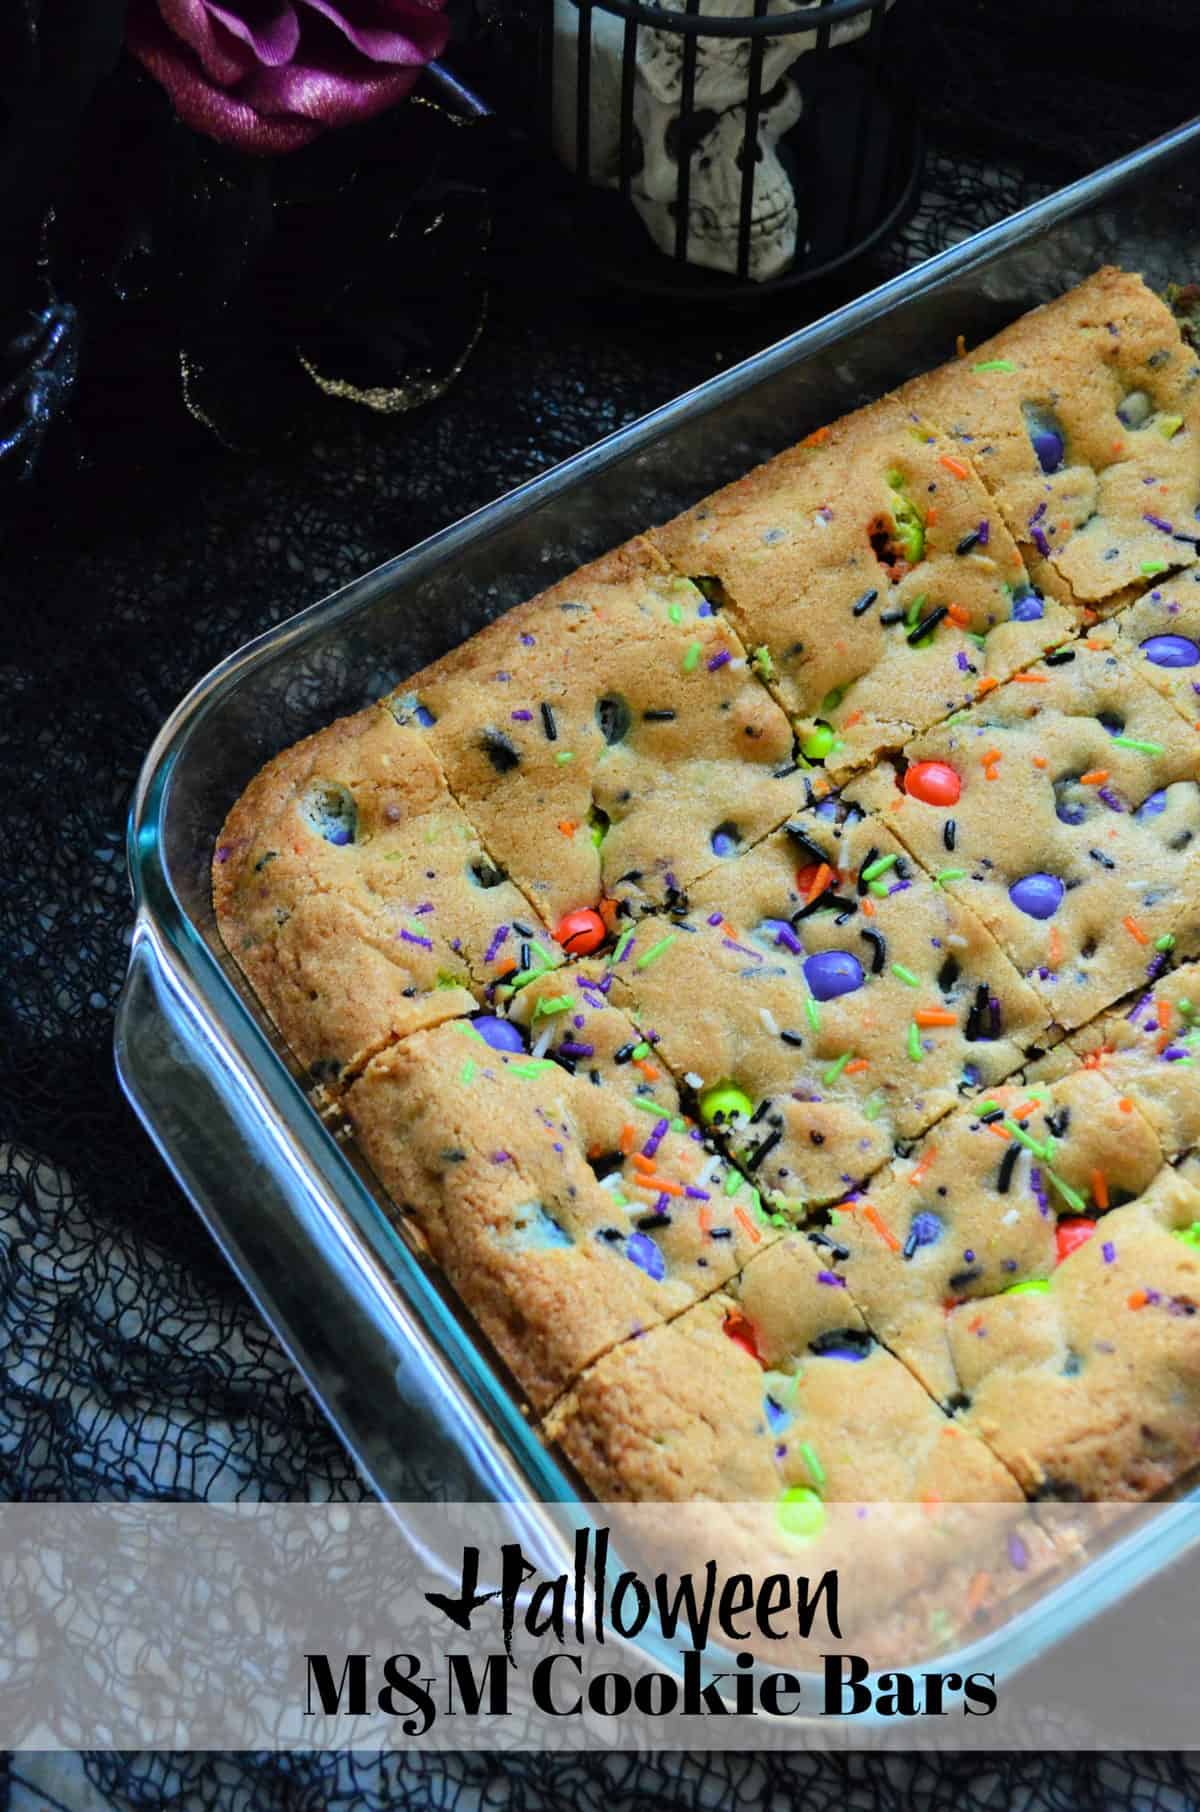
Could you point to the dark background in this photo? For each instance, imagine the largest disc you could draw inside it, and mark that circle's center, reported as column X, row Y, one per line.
column 139, row 552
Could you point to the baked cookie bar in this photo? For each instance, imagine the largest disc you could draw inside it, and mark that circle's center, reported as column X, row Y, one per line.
column 1147, row 1051
column 570, row 1015
column 992, row 1200
column 1064, row 809
column 824, row 999
column 1083, row 421
column 1090, row 1387
column 565, row 1220
column 608, row 738
column 358, row 898
column 1160, row 635
column 874, row 578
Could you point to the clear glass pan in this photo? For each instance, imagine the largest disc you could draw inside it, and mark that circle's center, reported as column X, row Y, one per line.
column 420, row 1403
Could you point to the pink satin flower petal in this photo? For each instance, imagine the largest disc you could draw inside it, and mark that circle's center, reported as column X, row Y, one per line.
column 324, row 95
column 274, row 40
column 376, row 42
column 222, row 57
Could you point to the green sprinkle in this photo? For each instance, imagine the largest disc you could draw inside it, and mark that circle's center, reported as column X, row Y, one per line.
column 647, row 1106
column 622, row 945
column 655, row 951
column 878, row 888
column 880, row 866
column 1026, row 1139
column 1185, row 1007
column 467, row 1073
column 762, row 663
column 563, row 756
column 833, row 698
column 733, row 1182
column 815, row 1468
column 814, row 1013
column 906, row 975
column 956, row 718
column 679, row 1124
column 913, row 614
column 1133, row 742
column 559, row 1003
column 1032, row 1286
column 948, row 874
column 1075, row 1202
column 873, row 1107
column 756, row 1202
column 691, row 658
column 994, row 365
column 941, row 1624
column 533, row 1067
column 835, row 1069
column 1169, row 425
column 676, row 613
column 987, row 1107
column 1190, row 1236
column 1151, row 568
column 914, row 1041
column 1166, row 941
column 640, row 1050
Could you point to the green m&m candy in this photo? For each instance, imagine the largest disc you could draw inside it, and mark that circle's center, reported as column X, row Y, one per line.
column 724, row 1102
column 800, row 1512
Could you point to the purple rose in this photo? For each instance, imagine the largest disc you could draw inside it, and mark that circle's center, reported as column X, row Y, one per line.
column 269, row 75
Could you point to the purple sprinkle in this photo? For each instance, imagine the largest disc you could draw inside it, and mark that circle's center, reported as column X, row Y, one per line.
column 502, row 678
column 410, row 937
column 696, row 1195
column 704, row 608
column 1018, row 1553
column 964, row 665
column 831, row 1277
column 1157, row 522
column 569, row 1048
column 1153, row 1297
column 1040, row 542
column 1035, row 1183
column 424, row 907
column 624, row 956
column 714, row 918
column 1174, row 1052
column 1110, row 799
column 501, row 1157
column 741, row 949
column 456, row 943
column 1108, row 1251
column 522, row 717
column 578, row 1020
column 1038, row 513
column 527, row 641
column 224, row 853
column 787, row 937
column 656, row 1138
column 718, row 659
column 497, row 939
column 606, row 984
column 984, row 532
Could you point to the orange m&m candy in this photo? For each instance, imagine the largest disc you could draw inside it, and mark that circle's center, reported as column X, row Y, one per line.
column 933, row 783
column 581, row 932
column 1072, row 1234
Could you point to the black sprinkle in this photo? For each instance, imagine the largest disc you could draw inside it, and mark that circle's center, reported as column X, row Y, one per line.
column 830, row 1245
column 548, row 723
column 499, row 751
column 1098, row 855
column 968, row 542
column 805, row 843
column 927, row 624
column 791, row 1038
column 721, row 1233
column 990, row 1118
column 853, row 1340
column 522, row 929
column 866, row 863
column 759, row 1111
column 878, row 950
column 759, row 1153
column 1061, row 659
column 864, row 603
column 658, row 717
column 526, row 956
column 649, row 1222
column 1008, row 1164
column 965, row 1277
column 888, row 617
column 624, row 1054
column 1058, row 1123
column 949, row 833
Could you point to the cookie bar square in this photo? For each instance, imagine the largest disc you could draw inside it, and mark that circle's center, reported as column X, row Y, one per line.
column 357, row 896
column 565, row 1221
column 1083, row 421
column 1090, row 1388
column 989, row 1201
column 608, row 737
column 775, row 1384
column 1064, row 809
column 1147, row 1051
column 1160, row 635
column 874, row 578
column 821, row 1012
column 569, row 1015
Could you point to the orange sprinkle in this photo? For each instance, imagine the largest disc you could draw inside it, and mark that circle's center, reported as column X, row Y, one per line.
column 1054, row 947
column 506, row 967
column 1090, row 615
column 1137, row 1300
column 1099, row 1189
column 1162, row 1011
column 647, row 1068
column 820, row 881
column 628, row 1139
column 1125, row 1104
column 958, row 613
column 595, row 1151
column 977, row 1592
column 568, row 826
column 855, row 717
column 954, row 466
column 816, row 438
column 1094, row 777
column 856, row 1067
column 1118, row 446
column 642, row 1162
column 916, row 1174
column 990, row 756
column 987, row 684
column 935, row 1016
column 659, row 1185
column 881, row 1227
column 747, row 1225
column 1039, row 761
column 1135, row 931
column 975, row 1323
column 1032, row 679
column 704, row 1218
column 1001, row 1132
column 1026, row 1108
column 868, row 907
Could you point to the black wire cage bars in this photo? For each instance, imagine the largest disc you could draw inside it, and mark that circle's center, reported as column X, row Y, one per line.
column 727, row 147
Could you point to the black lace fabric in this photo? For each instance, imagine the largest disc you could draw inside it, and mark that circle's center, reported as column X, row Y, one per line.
column 131, row 1363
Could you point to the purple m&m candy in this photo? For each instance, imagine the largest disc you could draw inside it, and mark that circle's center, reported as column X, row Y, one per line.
column 832, row 972
column 1028, row 608
column 1171, row 651
column 501, row 1034
column 1038, row 895
column 641, row 1250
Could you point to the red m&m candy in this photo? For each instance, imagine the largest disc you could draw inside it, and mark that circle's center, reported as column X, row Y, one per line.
column 933, row 783
column 581, row 932
column 1072, row 1234
column 738, row 1329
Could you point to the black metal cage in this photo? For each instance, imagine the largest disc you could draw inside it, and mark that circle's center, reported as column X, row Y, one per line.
column 852, row 158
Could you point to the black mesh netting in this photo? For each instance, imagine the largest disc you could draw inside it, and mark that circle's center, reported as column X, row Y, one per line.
column 132, row 1363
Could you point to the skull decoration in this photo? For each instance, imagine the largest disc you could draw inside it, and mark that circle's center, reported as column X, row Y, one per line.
column 715, row 131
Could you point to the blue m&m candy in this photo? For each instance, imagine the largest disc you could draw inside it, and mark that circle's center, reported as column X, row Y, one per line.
column 1038, row 895
column 1171, row 651
column 501, row 1034
column 832, row 972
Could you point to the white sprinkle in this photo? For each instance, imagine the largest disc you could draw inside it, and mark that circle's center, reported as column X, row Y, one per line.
column 543, row 1043
column 769, row 1021
column 956, row 940
column 692, row 1080
column 1006, row 1220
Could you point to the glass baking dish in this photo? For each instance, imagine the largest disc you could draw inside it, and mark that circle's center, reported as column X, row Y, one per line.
column 423, row 1408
